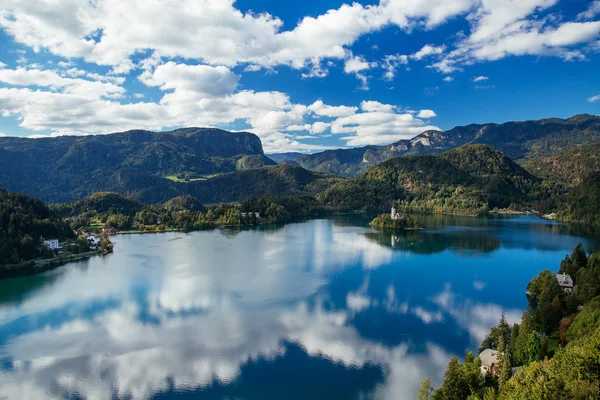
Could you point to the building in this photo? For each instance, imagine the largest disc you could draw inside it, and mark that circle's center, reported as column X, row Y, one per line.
column 52, row 244
column 565, row 282
column 489, row 361
column 396, row 215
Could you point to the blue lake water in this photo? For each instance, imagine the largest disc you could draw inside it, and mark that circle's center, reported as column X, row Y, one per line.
column 325, row 309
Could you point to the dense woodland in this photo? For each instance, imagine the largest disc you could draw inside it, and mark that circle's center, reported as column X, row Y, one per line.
column 184, row 212
column 468, row 180
column 24, row 224
column 385, row 221
column 556, row 347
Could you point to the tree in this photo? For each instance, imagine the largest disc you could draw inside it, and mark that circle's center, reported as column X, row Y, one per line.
column 455, row 386
column 532, row 348
column 425, row 390
column 505, row 369
column 525, row 329
column 472, row 368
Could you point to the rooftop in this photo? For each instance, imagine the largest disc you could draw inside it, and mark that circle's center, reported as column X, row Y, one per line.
column 489, row 357
column 564, row 280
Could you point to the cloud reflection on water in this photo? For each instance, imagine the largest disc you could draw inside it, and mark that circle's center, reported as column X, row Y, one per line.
column 182, row 314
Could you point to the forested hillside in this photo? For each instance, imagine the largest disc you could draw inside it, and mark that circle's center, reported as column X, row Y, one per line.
column 279, row 180
column 517, row 140
column 184, row 212
column 569, row 167
column 72, row 167
column 471, row 179
column 24, row 224
column 554, row 353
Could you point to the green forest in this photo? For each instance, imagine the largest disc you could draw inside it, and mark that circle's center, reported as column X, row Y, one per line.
column 24, row 224
column 554, row 353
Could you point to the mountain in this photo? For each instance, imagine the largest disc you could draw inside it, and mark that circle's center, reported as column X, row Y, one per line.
column 24, row 223
column 72, row 167
column 517, row 140
column 569, row 167
column 279, row 157
column 279, row 180
column 582, row 203
column 469, row 179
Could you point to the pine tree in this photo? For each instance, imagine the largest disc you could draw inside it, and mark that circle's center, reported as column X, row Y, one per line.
column 505, row 369
column 425, row 390
column 455, row 386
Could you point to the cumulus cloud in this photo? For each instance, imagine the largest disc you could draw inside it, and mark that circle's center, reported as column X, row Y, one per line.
column 426, row 114
column 594, row 99
column 480, row 78
column 391, row 63
column 591, row 12
column 448, row 79
column 426, row 51
column 110, row 32
column 324, row 110
column 201, row 79
column 382, row 125
column 51, row 79
column 503, row 29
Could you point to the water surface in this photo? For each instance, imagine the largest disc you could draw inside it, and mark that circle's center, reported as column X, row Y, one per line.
column 326, row 309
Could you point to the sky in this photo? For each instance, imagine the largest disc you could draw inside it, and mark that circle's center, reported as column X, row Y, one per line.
column 304, row 76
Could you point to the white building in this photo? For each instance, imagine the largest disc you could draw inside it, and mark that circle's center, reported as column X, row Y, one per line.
column 52, row 244
column 565, row 282
column 489, row 361
column 396, row 215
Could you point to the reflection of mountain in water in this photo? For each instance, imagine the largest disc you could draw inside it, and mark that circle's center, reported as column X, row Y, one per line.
column 425, row 242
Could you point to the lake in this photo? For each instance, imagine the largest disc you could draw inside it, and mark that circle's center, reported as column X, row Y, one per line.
column 325, row 309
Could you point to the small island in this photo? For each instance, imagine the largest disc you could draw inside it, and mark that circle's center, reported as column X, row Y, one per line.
column 396, row 220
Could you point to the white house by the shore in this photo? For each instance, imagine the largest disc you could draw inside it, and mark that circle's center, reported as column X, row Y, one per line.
column 52, row 244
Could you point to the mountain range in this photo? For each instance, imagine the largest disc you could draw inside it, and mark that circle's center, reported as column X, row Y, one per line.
column 214, row 166
column 518, row 140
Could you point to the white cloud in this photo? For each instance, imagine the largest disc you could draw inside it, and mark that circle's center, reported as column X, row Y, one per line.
column 594, row 99
column 378, row 127
column 592, row 10
column 448, row 79
column 426, row 51
column 426, row 114
column 391, row 63
column 375, row 106
column 480, row 78
column 51, row 79
column 324, row 110
column 2, row 134
column 201, row 79
column 356, row 64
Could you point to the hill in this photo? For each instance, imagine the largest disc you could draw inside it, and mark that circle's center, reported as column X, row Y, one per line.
column 470, row 179
column 70, row 168
column 569, row 167
column 517, row 140
column 278, row 180
column 24, row 223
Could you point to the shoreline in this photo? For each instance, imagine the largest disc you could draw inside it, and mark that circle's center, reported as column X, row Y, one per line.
column 35, row 267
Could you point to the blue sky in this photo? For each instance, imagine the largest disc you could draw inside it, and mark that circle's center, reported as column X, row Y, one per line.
column 304, row 76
